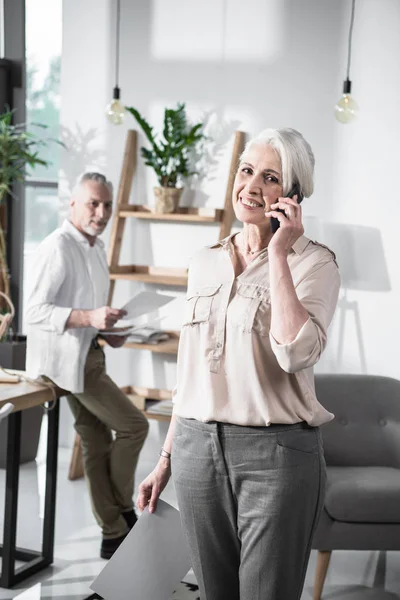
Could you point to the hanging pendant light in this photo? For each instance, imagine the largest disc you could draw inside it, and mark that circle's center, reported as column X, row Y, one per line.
column 346, row 108
column 115, row 112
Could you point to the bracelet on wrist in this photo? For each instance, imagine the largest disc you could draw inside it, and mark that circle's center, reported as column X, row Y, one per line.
column 165, row 454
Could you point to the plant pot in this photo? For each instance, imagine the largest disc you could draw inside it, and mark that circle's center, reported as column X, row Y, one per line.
column 13, row 353
column 12, row 356
column 167, row 199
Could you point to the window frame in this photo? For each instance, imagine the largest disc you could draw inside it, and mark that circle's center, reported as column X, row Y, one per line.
column 14, row 50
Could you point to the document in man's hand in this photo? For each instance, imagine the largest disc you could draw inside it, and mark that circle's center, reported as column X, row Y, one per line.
column 150, row 562
column 145, row 303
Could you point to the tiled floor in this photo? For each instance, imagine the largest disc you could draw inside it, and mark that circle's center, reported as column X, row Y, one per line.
column 77, row 561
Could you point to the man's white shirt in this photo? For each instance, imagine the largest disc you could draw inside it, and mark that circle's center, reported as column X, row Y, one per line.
column 69, row 274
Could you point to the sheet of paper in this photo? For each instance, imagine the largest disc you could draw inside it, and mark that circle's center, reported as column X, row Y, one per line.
column 144, row 303
column 150, row 562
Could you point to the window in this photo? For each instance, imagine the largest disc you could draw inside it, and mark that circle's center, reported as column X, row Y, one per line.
column 43, row 34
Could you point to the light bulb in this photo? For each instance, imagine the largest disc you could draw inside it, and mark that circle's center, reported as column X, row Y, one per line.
column 115, row 112
column 346, row 108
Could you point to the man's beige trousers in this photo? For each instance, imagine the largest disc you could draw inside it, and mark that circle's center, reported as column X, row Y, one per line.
column 110, row 461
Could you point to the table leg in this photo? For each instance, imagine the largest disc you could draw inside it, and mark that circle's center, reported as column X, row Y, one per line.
column 51, row 483
column 11, row 499
column 34, row 561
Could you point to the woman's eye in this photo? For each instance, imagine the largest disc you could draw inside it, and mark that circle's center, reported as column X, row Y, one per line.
column 246, row 170
column 271, row 178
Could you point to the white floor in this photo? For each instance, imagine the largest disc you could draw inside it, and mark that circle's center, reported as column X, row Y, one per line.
column 77, row 563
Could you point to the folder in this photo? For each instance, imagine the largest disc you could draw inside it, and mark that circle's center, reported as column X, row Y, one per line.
column 150, row 562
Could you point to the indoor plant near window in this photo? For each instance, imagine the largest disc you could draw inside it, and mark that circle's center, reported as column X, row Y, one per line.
column 18, row 149
column 170, row 155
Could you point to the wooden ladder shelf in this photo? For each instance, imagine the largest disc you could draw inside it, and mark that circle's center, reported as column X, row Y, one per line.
column 151, row 274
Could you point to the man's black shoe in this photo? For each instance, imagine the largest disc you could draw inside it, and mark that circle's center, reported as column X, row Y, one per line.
column 130, row 518
column 109, row 546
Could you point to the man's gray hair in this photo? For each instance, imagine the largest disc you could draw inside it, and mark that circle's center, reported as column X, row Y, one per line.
column 295, row 153
column 92, row 176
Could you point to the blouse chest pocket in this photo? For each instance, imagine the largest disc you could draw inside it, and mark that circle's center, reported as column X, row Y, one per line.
column 198, row 304
column 250, row 309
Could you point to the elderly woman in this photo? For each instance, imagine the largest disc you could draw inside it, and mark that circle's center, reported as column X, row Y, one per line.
column 244, row 444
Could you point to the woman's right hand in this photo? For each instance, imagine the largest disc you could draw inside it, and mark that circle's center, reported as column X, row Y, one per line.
column 151, row 487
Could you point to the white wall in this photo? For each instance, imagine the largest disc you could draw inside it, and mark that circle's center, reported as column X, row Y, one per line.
column 364, row 171
column 248, row 66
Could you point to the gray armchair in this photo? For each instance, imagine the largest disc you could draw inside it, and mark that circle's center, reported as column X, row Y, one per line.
column 362, row 453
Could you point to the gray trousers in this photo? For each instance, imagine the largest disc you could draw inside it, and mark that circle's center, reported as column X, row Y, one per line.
column 249, row 499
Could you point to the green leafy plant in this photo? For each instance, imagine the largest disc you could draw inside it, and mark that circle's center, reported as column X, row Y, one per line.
column 18, row 149
column 170, row 155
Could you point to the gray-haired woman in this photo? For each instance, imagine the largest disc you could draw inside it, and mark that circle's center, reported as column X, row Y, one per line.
column 247, row 459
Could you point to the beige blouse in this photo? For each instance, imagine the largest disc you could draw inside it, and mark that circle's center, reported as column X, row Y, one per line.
column 230, row 368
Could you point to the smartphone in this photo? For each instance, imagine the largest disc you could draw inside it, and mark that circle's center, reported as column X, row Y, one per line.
column 293, row 192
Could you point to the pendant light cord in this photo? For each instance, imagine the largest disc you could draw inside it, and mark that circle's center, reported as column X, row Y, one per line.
column 117, row 33
column 350, row 38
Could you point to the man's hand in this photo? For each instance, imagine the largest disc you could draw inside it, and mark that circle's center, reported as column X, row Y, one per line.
column 105, row 317
column 115, row 341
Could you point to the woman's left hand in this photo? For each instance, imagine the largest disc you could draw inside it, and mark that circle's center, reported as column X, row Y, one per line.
column 291, row 225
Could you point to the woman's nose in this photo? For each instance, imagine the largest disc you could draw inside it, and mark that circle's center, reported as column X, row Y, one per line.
column 252, row 185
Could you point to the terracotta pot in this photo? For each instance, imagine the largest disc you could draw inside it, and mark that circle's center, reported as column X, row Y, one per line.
column 167, row 199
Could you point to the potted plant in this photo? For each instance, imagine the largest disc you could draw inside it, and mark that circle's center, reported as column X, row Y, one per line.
column 170, row 155
column 18, row 149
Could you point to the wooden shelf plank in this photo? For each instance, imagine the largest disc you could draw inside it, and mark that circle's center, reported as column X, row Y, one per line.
column 161, row 275
column 183, row 214
column 167, row 347
column 156, row 417
column 149, row 395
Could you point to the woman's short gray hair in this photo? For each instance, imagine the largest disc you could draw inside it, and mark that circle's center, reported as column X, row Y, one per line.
column 92, row 176
column 296, row 156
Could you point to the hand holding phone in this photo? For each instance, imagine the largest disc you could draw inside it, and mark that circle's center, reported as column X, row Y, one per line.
column 295, row 191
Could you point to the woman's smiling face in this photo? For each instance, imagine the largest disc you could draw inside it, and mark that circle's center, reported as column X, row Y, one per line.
column 257, row 185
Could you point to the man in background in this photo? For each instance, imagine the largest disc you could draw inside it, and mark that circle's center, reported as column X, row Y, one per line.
column 66, row 310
